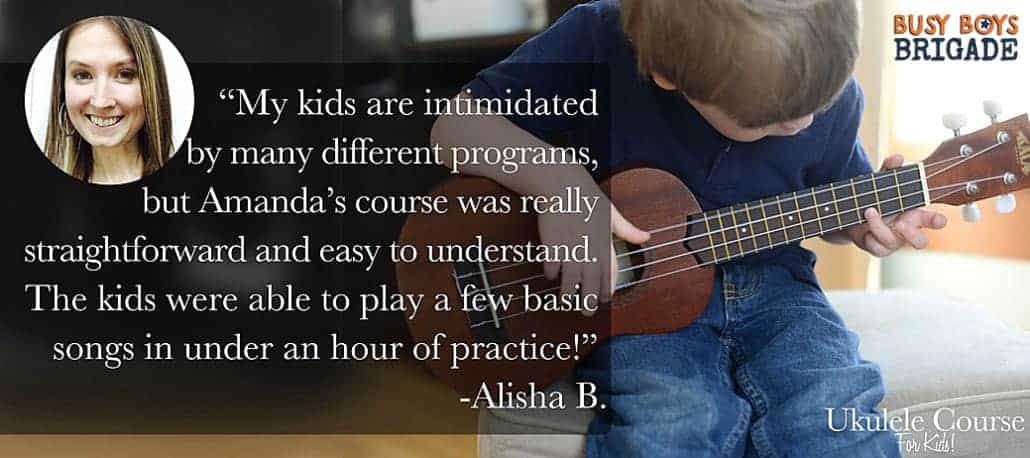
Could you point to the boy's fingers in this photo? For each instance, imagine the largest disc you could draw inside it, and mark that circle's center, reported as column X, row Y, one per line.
column 893, row 161
column 910, row 223
column 883, row 234
column 911, row 234
column 625, row 230
column 874, row 247
column 930, row 219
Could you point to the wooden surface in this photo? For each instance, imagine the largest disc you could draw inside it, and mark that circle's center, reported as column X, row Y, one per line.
column 429, row 446
column 388, row 387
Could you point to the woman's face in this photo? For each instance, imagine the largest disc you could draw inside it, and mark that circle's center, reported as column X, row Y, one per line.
column 101, row 86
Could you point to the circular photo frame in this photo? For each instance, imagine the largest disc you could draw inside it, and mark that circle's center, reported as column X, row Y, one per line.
column 109, row 100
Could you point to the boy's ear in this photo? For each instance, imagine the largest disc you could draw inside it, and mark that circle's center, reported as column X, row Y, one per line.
column 663, row 82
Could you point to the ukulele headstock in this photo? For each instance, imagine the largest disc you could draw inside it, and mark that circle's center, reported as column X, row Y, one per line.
column 993, row 161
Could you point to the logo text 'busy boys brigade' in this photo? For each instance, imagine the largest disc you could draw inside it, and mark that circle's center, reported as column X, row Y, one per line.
column 937, row 37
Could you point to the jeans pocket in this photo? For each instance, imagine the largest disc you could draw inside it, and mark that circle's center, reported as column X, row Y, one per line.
column 741, row 281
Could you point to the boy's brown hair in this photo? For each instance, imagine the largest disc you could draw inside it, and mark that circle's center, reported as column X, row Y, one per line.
column 761, row 61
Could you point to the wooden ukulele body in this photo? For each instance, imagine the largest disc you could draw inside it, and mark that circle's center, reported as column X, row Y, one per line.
column 649, row 198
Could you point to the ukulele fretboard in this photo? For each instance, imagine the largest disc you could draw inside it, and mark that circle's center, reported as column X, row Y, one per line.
column 734, row 232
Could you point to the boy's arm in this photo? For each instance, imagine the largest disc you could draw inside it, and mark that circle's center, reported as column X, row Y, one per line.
column 543, row 180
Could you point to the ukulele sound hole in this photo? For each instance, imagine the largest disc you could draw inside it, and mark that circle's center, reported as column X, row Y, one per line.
column 626, row 274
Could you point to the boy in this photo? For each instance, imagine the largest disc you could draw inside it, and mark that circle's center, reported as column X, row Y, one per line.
column 741, row 99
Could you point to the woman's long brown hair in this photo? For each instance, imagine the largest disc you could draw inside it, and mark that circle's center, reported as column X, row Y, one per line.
column 64, row 145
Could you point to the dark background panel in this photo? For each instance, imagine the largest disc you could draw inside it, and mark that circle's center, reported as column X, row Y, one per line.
column 277, row 45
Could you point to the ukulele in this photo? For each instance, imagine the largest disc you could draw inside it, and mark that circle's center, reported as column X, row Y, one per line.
column 665, row 283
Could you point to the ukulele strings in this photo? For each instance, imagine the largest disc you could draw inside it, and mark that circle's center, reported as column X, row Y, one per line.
column 705, row 219
column 960, row 186
column 971, row 156
column 632, row 283
column 811, row 194
column 901, row 209
column 725, row 243
column 761, row 206
column 816, row 205
column 643, row 280
column 702, row 250
column 786, row 241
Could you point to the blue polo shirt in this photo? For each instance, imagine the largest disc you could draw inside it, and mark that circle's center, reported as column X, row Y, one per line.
column 643, row 124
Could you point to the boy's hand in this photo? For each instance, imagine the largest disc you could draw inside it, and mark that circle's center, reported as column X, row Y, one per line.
column 883, row 236
column 568, row 230
column 623, row 229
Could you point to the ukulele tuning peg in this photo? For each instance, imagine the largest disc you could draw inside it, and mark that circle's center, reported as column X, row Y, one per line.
column 955, row 122
column 1005, row 204
column 992, row 108
column 971, row 212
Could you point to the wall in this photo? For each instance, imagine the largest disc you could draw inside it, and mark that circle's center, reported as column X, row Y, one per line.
column 846, row 266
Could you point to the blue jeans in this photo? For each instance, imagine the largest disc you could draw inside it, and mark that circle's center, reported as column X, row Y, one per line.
column 753, row 376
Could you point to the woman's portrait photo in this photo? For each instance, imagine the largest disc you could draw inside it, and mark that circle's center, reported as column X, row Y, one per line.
column 104, row 114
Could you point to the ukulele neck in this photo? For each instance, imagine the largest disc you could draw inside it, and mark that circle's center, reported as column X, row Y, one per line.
column 740, row 230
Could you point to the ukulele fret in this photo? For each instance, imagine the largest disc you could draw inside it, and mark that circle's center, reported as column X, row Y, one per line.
column 808, row 210
column 800, row 220
column 876, row 194
column 882, row 184
column 751, row 226
column 736, row 229
column 722, row 231
column 897, row 187
column 836, row 208
column 912, row 188
column 486, row 286
column 825, row 208
column 793, row 226
column 765, row 219
column 711, row 240
column 854, row 196
column 864, row 193
column 783, row 224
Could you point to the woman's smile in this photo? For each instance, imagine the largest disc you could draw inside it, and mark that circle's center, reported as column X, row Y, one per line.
column 101, row 121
